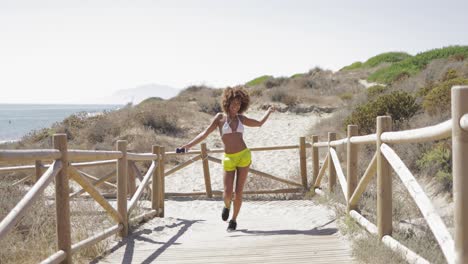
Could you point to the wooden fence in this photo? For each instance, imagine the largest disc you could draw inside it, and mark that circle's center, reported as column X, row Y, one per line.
column 385, row 159
column 67, row 163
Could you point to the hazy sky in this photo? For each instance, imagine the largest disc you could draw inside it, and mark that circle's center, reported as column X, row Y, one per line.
column 73, row 51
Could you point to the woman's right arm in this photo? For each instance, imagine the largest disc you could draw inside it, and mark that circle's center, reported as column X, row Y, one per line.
column 200, row 137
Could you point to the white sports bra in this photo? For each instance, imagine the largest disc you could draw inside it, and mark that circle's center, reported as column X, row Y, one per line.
column 228, row 130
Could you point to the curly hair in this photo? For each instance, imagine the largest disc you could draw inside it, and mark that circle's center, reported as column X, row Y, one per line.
column 237, row 92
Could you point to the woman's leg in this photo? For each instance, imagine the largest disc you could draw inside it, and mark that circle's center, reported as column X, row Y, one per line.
column 228, row 187
column 241, row 179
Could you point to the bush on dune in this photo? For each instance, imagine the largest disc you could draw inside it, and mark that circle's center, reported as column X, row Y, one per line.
column 399, row 105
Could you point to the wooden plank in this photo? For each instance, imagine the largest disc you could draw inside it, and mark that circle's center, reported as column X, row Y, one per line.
column 425, row 134
column 29, row 155
column 434, row 221
column 95, row 184
column 339, row 173
column 141, row 156
column 141, row 187
column 366, row 178
column 31, row 196
column 206, row 171
column 55, row 258
column 96, row 179
column 182, row 165
column 322, row 171
column 95, row 194
column 96, row 238
column 93, row 155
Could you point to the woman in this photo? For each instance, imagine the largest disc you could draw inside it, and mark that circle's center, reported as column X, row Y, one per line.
column 237, row 158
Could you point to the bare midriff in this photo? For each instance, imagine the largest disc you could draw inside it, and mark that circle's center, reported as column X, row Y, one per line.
column 233, row 143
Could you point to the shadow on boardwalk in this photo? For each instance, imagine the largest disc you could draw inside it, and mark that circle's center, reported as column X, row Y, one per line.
column 129, row 242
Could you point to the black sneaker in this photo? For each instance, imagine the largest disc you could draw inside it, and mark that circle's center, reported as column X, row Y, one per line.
column 225, row 214
column 232, row 225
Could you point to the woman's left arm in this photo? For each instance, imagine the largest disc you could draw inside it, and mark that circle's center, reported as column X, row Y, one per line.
column 256, row 123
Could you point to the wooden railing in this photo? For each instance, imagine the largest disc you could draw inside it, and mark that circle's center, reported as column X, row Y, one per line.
column 386, row 159
column 62, row 168
column 67, row 164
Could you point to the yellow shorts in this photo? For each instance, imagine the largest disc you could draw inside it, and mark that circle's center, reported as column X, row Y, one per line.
column 240, row 159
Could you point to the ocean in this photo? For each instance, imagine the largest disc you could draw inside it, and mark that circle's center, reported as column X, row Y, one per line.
column 17, row 120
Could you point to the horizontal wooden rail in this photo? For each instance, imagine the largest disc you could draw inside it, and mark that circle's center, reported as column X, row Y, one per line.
column 260, row 173
column 31, row 196
column 339, row 173
column 92, row 155
column 93, row 163
column 138, row 219
column 17, row 168
column 340, row 142
column 143, row 184
column 322, row 144
column 434, row 221
column 141, row 156
column 96, row 238
column 29, row 155
column 430, row 133
column 219, row 193
column 464, row 122
column 55, row 258
column 367, row 139
column 191, row 152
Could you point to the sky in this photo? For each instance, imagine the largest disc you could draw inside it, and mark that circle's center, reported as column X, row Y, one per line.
column 70, row 51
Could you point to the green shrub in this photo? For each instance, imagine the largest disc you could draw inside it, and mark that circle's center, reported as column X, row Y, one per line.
column 438, row 162
column 437, row 99
column 413, row 65
column 258, row 80
column 390, row 57
column 353, row 66
column 375, row 90
column 399, row 105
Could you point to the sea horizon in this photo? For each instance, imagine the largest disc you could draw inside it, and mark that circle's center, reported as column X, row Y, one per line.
column 17, row 120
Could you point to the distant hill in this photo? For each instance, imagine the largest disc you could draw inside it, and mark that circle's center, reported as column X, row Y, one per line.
column 140, row 93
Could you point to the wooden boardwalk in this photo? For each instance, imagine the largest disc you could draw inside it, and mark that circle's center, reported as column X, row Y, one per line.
column 296, row 231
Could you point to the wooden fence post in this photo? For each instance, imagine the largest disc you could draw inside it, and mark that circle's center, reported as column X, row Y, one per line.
column 315, row 160
column 162, row 160
column 62, row 199
column 206, row 170
column 331, row 167
column 155, row 183
column 131, row 186
column 38, row 170
column 352, row 164
column 122, row 185
column 460, row 172
column 302, row 161
column 384, row 182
